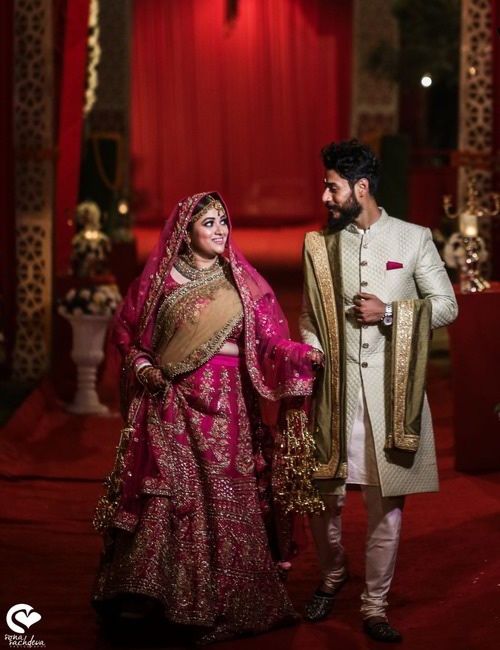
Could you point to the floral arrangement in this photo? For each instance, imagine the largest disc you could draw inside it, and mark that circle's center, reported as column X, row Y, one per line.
column 98, row 300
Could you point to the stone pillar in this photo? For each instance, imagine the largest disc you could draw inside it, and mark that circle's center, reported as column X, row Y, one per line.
column 475, row 137
column 34, row 171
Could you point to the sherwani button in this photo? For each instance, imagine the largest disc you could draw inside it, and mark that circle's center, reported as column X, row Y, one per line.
column 363, row 263
column 366, row 345
column 365, row 245
column 364, row 283
column 364, row 364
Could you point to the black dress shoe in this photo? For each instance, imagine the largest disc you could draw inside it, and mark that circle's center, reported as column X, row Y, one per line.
column 321, row 604
column 380, row 630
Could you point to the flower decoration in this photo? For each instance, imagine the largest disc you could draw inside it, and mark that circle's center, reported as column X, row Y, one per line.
column 99, row 300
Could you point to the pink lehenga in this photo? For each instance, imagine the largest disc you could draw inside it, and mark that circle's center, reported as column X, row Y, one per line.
column 189, row 519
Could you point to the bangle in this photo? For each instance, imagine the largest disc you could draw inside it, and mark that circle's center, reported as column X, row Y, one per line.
column 142, row 363
column 140, row 373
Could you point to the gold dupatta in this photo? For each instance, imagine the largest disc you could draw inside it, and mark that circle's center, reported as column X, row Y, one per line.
column 194, row 321
column 322, row 276
column 410, row 348
column 409, row 351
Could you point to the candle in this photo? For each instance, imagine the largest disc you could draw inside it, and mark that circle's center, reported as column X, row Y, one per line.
column 468, row 224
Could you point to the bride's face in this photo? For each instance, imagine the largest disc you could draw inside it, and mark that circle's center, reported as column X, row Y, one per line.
column 209, row 234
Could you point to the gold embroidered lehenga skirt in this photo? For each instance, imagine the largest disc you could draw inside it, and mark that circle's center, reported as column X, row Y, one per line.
column 201, row 547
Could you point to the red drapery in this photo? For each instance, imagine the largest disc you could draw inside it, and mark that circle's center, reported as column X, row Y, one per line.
column 243, row 107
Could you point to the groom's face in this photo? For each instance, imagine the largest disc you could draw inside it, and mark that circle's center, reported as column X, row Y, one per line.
column 339, row 199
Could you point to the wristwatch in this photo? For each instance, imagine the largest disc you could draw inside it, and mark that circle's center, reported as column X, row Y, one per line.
column 387, row 319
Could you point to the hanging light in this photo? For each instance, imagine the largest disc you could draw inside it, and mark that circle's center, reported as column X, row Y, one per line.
column 123, row 207
column 426, row 80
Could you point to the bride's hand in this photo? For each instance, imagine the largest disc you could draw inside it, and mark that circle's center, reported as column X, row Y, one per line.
column 316, row 357
column 152, row 378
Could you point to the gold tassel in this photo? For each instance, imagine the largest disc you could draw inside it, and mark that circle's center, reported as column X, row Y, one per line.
column 294, row 466
column 108, row 503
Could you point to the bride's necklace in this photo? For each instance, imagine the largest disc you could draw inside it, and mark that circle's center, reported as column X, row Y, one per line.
column 191, row 272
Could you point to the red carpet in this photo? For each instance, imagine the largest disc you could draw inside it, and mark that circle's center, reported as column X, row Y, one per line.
column 446, row 593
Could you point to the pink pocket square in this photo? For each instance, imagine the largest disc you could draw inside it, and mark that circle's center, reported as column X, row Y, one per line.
column 390, row 266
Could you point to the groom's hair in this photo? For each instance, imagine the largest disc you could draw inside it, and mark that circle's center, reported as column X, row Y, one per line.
column 352, row 160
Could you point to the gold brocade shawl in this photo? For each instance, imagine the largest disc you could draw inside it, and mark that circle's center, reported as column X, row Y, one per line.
column 410, row 344
column 194, row 321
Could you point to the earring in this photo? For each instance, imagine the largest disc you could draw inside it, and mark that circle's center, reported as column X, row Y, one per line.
column 190, row 252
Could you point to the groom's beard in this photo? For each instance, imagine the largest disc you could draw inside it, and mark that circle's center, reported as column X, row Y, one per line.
column 340, row 216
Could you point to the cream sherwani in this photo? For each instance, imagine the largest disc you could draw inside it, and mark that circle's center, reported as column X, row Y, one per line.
column 365, row 255
column 385, row 475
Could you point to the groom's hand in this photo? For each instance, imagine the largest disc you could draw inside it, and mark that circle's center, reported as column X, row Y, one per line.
column 368, row 309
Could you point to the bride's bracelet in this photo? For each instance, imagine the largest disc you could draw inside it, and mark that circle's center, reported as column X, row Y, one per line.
column 141, row 371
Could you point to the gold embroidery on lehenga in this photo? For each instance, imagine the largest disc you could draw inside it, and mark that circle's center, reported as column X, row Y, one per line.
column 244, row 455
column 207, row 385
column 218, row 436
column 196, row 433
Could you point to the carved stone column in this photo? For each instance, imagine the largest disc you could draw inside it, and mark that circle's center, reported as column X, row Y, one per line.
column 34, row 153
column 475, row 137
column 476, row 92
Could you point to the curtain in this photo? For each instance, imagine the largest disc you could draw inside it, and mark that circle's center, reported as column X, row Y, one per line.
column 242, row 107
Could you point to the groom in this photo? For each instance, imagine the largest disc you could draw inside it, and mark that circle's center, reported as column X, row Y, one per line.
column 374, row 288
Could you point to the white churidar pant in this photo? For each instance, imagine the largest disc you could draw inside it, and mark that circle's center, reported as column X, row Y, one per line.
column 384, row 523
